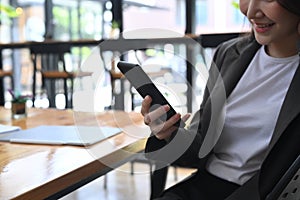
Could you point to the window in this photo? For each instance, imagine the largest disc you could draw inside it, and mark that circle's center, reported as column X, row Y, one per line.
column 202, row 12
column 167, row 14
column 77, row 20
column 215, row 16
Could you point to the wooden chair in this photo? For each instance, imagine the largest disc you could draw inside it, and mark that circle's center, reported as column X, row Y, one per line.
column 49, row 60
column 4, row 73
column 109, row 64
column 288, row 187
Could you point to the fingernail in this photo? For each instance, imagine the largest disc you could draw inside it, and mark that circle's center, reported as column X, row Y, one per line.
column 147, row 120
column 166, row 107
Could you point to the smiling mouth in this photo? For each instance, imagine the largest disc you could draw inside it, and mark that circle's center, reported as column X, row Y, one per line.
column 264, row 25
column 262, row 28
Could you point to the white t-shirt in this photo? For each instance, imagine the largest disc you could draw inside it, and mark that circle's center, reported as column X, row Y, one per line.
column 252, row 110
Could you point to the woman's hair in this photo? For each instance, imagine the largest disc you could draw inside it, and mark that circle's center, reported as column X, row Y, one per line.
column 291, row 5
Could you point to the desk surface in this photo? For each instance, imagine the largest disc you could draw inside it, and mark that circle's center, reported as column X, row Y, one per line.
column 41, row 171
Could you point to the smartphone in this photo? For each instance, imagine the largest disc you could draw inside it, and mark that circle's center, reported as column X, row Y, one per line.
column 145, row 86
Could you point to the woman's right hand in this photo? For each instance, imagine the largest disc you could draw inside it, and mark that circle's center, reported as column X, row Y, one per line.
column 161, row 129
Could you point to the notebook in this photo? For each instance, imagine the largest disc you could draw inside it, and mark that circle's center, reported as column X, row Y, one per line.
column 61, row 135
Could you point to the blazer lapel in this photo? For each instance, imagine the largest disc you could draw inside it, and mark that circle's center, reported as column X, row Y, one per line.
column 290, row 108
column 231, row 71
column 231, row 75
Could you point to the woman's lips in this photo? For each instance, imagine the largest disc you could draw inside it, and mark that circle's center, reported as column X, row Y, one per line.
column 262, row 28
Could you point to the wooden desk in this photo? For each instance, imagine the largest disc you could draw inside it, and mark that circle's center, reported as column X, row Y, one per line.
column 48, row 171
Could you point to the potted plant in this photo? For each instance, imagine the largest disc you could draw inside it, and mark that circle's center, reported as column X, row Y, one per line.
column 8, row 12
column 235, row 4
column 18, row 104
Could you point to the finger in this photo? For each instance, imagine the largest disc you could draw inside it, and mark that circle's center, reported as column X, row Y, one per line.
column 168, row 126
column 186, row 117
column 165, row 134
column 156, row 124
column 147, row 120
column 158, row 113
column 146, row 103
column 172, row 121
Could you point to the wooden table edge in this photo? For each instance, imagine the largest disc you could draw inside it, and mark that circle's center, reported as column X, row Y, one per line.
column 69, row 182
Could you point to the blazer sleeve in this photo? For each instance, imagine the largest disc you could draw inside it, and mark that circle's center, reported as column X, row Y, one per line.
column 185, row 142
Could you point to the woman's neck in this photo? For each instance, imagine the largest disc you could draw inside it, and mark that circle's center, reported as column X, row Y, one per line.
column 283, row 49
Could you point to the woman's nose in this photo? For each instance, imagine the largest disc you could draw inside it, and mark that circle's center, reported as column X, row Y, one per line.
column 254, row 9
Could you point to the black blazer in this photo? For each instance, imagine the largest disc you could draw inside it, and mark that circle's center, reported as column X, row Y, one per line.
column 230, row 62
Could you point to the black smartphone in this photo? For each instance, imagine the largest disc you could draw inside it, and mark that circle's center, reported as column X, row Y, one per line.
column 144, row 85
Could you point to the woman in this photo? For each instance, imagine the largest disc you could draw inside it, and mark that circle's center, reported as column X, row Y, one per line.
column 249, row 115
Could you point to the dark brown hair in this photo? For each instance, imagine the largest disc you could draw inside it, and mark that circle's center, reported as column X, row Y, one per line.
column 291, row 5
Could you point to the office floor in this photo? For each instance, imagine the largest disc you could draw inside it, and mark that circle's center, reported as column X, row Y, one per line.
column 121, row 185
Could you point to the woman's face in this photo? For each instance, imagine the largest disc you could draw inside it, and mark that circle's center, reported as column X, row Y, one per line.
column 273, row 25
